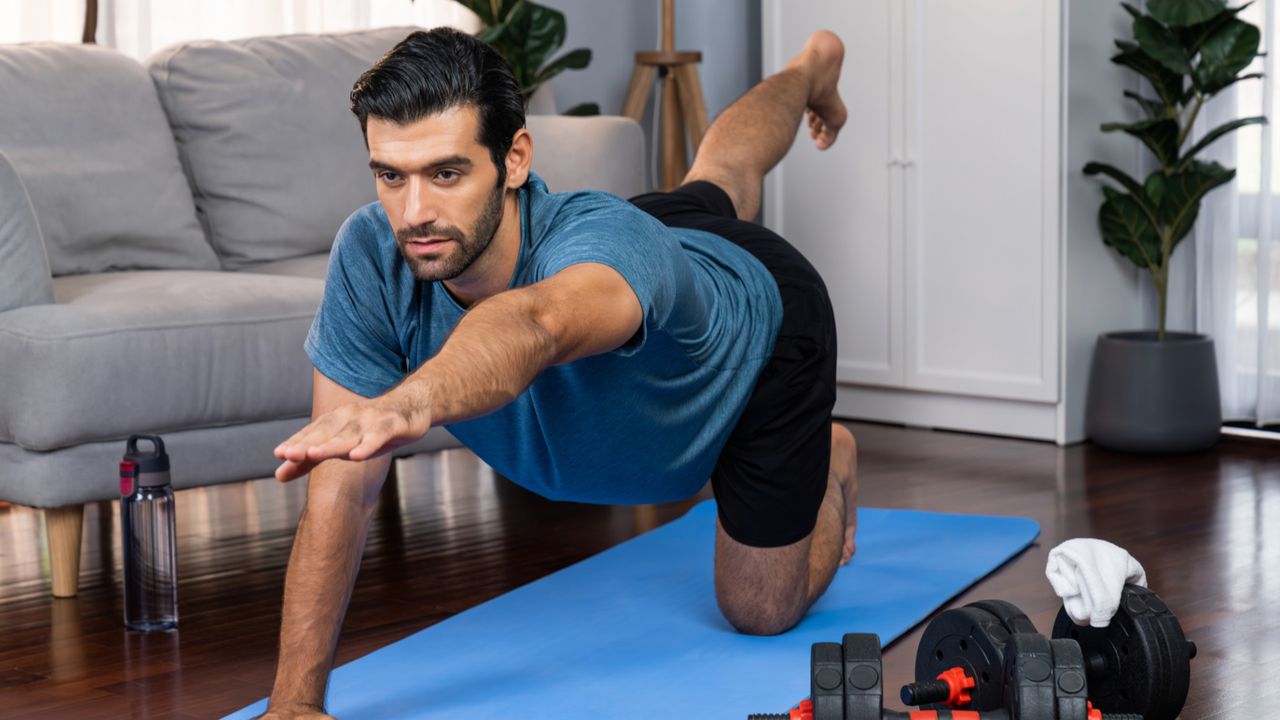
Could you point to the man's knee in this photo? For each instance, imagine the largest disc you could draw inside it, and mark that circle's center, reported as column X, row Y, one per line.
column 752, row 614
column 742, row 193
column 761, row 591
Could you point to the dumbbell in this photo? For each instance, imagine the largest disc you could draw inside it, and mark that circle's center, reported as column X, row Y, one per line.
column 961, row 655
column 1041, row 679
column 1140, row 664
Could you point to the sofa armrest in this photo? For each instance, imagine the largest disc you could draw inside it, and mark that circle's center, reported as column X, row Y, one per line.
column 604, row 152
column 24, row 265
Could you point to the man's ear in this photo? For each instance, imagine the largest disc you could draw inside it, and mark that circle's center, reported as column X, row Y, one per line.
column 519, row 159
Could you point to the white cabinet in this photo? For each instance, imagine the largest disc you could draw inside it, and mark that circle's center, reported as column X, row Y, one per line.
column 939, row 219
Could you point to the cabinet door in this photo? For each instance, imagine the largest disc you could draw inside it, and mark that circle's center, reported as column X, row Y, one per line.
column 982, row 225
column 838, row 206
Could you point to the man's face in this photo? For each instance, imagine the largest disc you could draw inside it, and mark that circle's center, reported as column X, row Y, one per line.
column 439, row 188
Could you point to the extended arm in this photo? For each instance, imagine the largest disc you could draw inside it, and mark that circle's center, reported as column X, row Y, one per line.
column 494, row 353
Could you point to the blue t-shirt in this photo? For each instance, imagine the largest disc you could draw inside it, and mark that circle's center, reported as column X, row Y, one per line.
column 643, row 423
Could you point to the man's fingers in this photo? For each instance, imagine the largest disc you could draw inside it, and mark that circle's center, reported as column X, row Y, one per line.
column 347, row 434
column 290, row 470
column 295, row 447
column 326, row 427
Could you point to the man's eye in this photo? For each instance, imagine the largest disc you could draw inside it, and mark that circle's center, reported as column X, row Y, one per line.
column 448, row 175
column 387, row 176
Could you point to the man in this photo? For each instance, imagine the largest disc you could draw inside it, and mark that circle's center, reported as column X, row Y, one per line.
column 587, row 347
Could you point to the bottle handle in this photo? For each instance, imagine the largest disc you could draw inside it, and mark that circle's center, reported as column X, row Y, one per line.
column 156, row 442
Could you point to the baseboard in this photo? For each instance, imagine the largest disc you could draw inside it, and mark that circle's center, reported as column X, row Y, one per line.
column 1012, row 418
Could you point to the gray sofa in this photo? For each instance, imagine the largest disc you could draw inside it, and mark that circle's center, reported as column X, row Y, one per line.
column 164, row 233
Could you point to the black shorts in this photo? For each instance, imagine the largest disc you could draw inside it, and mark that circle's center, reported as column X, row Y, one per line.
column 772, row 473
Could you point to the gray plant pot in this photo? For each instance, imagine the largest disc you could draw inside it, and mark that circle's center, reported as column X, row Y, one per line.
column 1147, row 396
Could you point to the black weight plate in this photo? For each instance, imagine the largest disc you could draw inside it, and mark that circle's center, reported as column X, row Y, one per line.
column 1071, row 685
column 970, row 638
column 1029, row 689
column 826, row 681
column 863, row 677
column 1014, row 620
column 1139, row 663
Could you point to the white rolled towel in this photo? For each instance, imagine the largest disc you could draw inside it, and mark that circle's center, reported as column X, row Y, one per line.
column 1089, row 575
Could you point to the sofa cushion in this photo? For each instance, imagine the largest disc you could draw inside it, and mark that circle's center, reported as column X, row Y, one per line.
column 24, row 268
column 83, row 128
column 154, row 352
column 589, row 153
column 309, row 266
column 275, row 157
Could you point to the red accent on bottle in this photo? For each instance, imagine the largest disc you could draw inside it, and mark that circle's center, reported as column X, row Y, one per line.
column 960, row 685
column 804, row 711
column 923, row 715
column 128, row 471
column 1094, row 713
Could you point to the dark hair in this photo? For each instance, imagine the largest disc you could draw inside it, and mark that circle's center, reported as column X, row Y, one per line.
column 433, row 71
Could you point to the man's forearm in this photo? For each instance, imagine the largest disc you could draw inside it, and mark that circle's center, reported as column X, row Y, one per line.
column 322, row 568
column 493, row 354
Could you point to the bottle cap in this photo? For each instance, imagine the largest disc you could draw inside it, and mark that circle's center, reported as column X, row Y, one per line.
column 155, row 460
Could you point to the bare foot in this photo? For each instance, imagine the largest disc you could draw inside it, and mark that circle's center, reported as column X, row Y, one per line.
column 821, row 58
column 844, row 454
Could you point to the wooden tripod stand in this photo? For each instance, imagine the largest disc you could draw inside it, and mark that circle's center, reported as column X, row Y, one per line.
column 682, row 105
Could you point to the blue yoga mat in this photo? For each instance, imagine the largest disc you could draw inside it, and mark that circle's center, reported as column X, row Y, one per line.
column 634, row 631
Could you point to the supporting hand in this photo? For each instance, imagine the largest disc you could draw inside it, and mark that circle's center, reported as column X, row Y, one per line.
column 357, row 431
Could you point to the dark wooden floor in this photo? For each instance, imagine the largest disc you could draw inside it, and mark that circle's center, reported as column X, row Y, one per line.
column 449, row 535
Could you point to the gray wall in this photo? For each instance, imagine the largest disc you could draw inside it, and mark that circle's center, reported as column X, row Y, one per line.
column 727, row 32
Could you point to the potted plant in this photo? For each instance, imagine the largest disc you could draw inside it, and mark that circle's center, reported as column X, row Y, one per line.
column 1158, row 391
column 527, row 34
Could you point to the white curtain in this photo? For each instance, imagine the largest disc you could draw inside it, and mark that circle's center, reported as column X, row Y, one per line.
column 1225, row 277
column 140, row 27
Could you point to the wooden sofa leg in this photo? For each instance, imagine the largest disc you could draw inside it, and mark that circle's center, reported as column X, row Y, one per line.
column 63, row 527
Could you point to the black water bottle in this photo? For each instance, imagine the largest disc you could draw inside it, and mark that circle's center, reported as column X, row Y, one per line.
column 148, row 540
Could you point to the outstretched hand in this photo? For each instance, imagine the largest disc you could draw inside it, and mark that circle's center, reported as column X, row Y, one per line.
column 357, row 431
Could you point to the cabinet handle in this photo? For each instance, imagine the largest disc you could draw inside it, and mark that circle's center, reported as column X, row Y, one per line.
column 899, row 162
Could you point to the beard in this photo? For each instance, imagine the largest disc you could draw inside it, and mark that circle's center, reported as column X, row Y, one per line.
column 469, row 247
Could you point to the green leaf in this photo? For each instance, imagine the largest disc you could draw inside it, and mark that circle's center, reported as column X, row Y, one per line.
column 526, row 36
column 1184, row 229
column 1168, row 85
column 1218, row 132
column 1228, row 51
column 1154, row 108
column 1126, row 228
column 541, row 32
column 1135, row 12
column 1160, row 43
column 1153, row 189
column 1233, row 81
column 1193, row 37
column 1185, row 188
column 572, row 60
column 1181, row 13
column 581, row 109
column 1159, row 135
column 1127, row 182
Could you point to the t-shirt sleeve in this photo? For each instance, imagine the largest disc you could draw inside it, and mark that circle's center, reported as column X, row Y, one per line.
column 353, row 339
column 635, row 245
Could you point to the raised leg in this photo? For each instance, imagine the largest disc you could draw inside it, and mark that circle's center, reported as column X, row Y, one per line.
column 765, row 591
column 63, row 528
column 755, row 132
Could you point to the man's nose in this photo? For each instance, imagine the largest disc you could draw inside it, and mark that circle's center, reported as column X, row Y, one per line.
column 419, row 208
